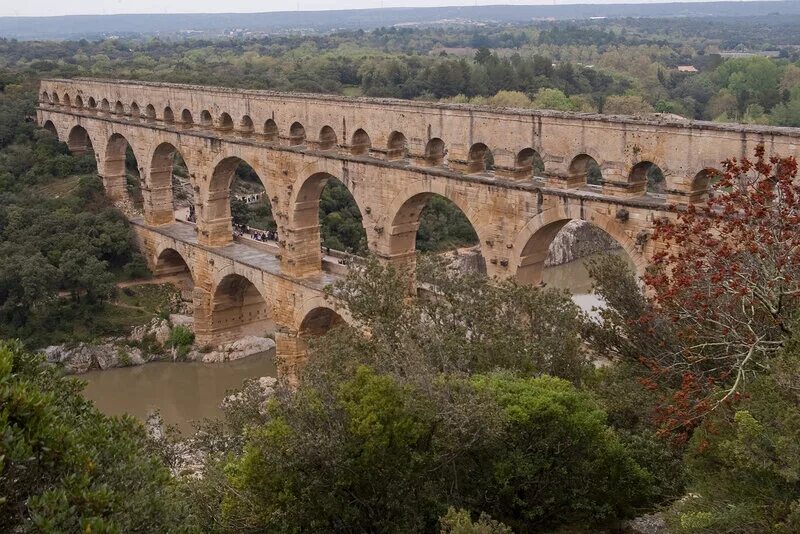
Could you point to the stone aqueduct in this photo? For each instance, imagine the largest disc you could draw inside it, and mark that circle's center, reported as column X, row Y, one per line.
column 392, row 155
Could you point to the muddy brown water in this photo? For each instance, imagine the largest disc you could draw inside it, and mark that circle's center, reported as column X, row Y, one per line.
column 186, row 392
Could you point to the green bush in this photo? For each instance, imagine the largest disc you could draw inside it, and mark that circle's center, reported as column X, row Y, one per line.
column 65, row 467
column 180, row 336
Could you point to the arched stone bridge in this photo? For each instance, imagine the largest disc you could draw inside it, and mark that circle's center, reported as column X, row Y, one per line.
column 518, row 176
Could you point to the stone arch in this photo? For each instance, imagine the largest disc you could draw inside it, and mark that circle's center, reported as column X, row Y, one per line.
column 480, row 159
column 56, row 100
column 327, row 138
column 529, row 162
column 78, row 140
column 217, row 209
column 297, row 134
column 318, row 321
column 701, row 184
column 160, row 207
column 186, row 117
column 360, row 143
column 435, row 152
column 238, row 307
column 67, row 102
column 169, row 262
column 584, row 169
column 403, row 219
column 150, row 112
column 113, row 165
column 78, row 101
column 304, row 217
column 119, row 108
column 135, row 113
column 225, row 122
column 397, row 147
column 92, row 103
column 205, row 119
column 650, row 174
column 270, row 130
column 246, row 125
column 169, row 115
column 105, row 106
column 45, row 98
column 533, row 241
column 51, row 127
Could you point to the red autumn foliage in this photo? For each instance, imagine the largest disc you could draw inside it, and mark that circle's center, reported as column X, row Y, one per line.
column 727, row 284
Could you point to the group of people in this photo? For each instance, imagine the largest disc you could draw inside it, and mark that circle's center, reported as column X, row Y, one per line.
column 255, row 234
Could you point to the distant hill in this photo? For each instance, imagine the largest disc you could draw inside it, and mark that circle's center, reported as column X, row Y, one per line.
column 98, row 26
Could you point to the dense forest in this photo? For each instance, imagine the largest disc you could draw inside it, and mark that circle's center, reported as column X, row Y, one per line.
column 484, row 410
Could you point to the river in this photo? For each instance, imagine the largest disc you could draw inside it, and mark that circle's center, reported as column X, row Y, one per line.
column 185, row 392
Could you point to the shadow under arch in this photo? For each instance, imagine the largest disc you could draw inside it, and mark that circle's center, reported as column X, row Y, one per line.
column 584, row 169
column 238, row 308
column 535, row 239
column 318, row 321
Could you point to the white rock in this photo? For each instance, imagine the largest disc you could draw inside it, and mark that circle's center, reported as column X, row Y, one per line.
column 181, row 320
column 241, row 348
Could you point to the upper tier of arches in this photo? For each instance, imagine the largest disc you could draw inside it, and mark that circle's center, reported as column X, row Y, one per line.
column 527, row 160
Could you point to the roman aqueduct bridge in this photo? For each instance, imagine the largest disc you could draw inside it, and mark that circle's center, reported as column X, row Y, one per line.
column 517, row 175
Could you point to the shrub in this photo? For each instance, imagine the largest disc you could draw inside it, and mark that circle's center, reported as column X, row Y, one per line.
column 180, row 336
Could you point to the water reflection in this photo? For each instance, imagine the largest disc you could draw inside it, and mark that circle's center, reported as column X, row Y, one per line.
column 182, row 392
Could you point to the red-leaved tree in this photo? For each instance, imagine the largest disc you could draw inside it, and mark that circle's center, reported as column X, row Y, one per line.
column 726, row 285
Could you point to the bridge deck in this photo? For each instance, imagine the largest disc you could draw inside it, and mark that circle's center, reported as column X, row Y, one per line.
column 241, row 252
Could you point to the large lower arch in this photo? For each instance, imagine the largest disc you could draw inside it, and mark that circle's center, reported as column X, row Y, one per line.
column 404, row 221
column 534, row 240
column 159, row 197
column 305, row 223
column 113, row 166
column 238, row 309
column 216, row 214
column 50, row 127
column 78, row 141
column 170, row 263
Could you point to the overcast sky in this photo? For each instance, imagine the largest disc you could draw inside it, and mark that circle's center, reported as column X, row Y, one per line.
column 107, row 7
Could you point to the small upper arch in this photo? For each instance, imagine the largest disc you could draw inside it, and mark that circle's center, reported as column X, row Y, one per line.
column 105, row 106
column 480, row 158
column 119, row 108
column 585, row 168
column 205, row 118
column 92, row 103
column 327, row 138
column 150, row 112
column 56, row 100
column 435, row 152
column 67, row 101
column 397, row 147
column 361, row 143
column 270, row 130
column 45, row 98
column 135, row 111
column 78, row 101
column 225, row 122
column 169, row 115
column 528, row 161
column 246, row 125
column 186, row 117
column 651, row 174
column 297, row 134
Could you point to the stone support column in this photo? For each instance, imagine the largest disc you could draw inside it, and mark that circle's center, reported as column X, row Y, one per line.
column 290, row 355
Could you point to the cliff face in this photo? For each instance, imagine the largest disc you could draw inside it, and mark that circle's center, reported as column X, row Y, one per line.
column 576, row 240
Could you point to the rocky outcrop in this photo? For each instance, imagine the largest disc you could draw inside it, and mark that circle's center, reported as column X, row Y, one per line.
column 577, row 240
column 256, row 392
column 241, row 348
column 82, row 357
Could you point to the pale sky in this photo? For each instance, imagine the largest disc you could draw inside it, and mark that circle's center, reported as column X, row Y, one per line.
column 108, row 7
